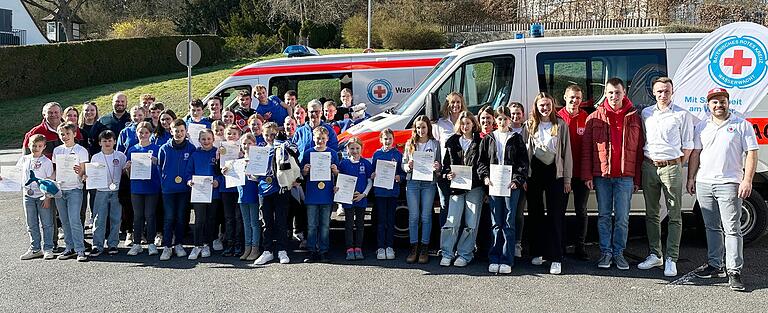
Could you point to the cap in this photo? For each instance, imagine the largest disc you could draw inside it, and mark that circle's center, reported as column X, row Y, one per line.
column 717, row 92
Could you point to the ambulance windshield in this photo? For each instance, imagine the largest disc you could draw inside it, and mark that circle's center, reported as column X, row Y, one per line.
column 433, row 75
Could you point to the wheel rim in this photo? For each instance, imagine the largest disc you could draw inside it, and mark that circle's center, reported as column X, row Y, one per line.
column 747, row 217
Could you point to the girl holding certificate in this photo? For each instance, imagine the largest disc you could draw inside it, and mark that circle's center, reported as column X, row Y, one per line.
column 233, row 219
column 504, row 148
column 462, row 151
column 203, row 163
column 420, row 190
column 354, row 215
column 145, row 193
column 549, row 149
column 249, row 207
column 386, row 198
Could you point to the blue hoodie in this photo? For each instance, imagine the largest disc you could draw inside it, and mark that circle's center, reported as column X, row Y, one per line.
column 173, row 161
column 203, row 121
column 161, row 140
column 303, row 138
column 314, row 194
column 146, row 186
column 127, row 138
column 279, row 113
column 204, row 163
column 391, row 155
column 363, row 170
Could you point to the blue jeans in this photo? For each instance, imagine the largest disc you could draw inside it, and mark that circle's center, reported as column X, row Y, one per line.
column 503, row 215
column 467, row 205
column 385, row 221
column 251, row 224
column 69, row 213
column 421, row 197
column 721, row 210
column 37, row 216
column 174, row 219
column 107, row 208
column 614, row 196
column 318, row 216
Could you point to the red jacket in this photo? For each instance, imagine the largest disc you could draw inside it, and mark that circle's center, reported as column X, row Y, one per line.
column 51, row 138
column 576, row 125
column 601, row 151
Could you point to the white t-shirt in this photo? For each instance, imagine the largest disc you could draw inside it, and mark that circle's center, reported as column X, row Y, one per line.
column 82, row 157
column 501, row 143
column 442, row 131
column 43, row 168
column 115, row 164
column 722, row 149
column 465, row 143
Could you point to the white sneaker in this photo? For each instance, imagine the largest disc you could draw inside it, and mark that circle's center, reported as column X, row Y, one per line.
column 180, row 251
column 135, row 249
column 518, row 250
column 61, row 233
column 445, row 262
column 650, row 262
column 670, row 269
column 460, row 262
column 555, row 268
column 206, row 251
column 381, row 254
column 48, row 255
column 158, row 240
column 31, row 254
column 167, row 252
column 195, row 253
column 390, row 253
column 128, row 239
column 538, row 260
column 265, row 257
column 218, row 245
column 505, row 269
column 152, row 249
column 340, row 211
column 283, row 256
column 493, row 268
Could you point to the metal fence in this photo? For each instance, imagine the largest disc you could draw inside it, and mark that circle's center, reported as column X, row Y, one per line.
column 16, row 37
column 516, row 27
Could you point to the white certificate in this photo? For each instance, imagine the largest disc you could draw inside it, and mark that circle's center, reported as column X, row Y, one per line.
column 194, row 133
column 141, row 165
column 12, row 178
column 423, row 165
column 320, row 169
column 228, row 151
column 235, row 175
column 501, row 177
column 97, row 176
column 346, row 185
column 385, row 174
column 202, row 189
column 258, row 161
column 462, row 177
column 65, row 170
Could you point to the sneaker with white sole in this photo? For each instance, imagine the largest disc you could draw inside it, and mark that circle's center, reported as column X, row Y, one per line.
column 128, row 239
column 538, row 260
column 218, row 245
column 206, row 252
column 555, row 268
column 670, row 269
column 194, row 253
column 61, row 233
column 282, row 255
column 135, row 249
column 180, row 251
column 152, row 248
column 68, row 254
column 390, row 253
column 81, row 257
column 158, row 240
column 650, row 262
column 31, row 254
column 606, row 259
column 445, row 261
column 48, row 255
column 265, row 257
column 518, row 250
column 460, row 262
column 621, row 262
column 167, row 253
column 505, row 269
column 493, row 268
column 381, row 254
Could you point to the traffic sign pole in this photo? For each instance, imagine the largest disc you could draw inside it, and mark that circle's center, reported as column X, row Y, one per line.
column 189, row 72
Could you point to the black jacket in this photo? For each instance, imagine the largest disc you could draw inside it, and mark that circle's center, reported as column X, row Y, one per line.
column 515, row 154
column 455, row 155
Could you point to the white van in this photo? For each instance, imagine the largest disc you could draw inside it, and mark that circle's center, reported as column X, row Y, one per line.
column 381, row 80
column 497, row 72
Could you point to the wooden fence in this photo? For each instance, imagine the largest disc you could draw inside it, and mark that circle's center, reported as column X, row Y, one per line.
column 518, row 27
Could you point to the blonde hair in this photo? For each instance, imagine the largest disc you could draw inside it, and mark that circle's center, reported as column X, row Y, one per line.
column 35, row 139
column 535, row 118
column 319, row 130
column 410, row 145
column 471, row 117
column 69, row 109
column 355, row 140
column 146, row 125
column 81, row 120
column 446, row 110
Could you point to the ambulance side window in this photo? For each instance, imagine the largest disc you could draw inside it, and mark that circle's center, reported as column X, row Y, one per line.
column 229, row 95
column 485, row 81
column 308, row 87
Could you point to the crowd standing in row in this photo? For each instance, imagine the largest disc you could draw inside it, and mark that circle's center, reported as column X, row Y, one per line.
column 614, row 150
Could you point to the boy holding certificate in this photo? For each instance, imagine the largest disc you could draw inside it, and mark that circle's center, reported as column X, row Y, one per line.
column 37, row 206
column 106, row 204
column 145, row 192
column 386, row 198
column 319, row 193
column 203, row 163
column 70, row 159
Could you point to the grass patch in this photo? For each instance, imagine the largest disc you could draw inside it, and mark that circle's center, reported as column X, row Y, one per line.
column 22, row 114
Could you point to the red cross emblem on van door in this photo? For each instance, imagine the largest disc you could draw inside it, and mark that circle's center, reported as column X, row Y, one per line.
column 379, row 91
column 738, row 61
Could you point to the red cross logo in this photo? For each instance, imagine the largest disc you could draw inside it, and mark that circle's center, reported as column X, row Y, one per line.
column 380, row 92
column 738, row 61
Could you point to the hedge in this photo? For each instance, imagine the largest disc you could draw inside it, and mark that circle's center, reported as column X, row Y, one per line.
column 43, row 69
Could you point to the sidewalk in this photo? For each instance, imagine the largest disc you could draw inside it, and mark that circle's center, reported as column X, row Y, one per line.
column 9, row 156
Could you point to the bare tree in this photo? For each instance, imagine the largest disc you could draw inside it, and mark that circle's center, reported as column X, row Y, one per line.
column 62, row 10
column 317, row 11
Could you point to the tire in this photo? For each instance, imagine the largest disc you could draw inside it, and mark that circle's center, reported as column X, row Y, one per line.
column 401, row 220
column 754, row 217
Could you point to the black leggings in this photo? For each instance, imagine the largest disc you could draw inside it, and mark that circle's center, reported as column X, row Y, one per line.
column 547, row 232
column 205, row 217
column 354, row 226
column 233, row 219
column 274, row 212
column 144, row 209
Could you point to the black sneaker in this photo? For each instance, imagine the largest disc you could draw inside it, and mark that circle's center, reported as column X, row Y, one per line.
column 112, row 250
column 58, row 249
column 312, row 258
column 734, row 281
column 68, row 254
column 95, row 252
column 324, row 257
column 87, row 245
column 580, row 253
column 709, row 271
column 229, row 251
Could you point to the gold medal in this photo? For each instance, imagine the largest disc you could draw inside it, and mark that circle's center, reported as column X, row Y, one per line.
column 222, row 150
column 178, row 179
column 269, row 180
column 321, row 185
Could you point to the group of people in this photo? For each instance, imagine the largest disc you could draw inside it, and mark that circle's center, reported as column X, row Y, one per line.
column 614, row 149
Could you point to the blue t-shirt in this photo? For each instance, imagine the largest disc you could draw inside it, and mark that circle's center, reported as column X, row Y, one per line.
column 146, row 186
column 127, row 138
column 314, row 194
column 303, row 138
column 173, row 163
column 391, row 155
column 279, row 113
column 363, row 170
column 248, row 193
column 204, row 163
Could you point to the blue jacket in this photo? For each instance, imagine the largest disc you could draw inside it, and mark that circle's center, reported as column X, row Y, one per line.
column 279, row 113
column 127, row 138
column 161, row 140
column 391, row 155
column 315, row 195
column 303, row 138
column 204, row 163
column 363, row 170
column 145, row 186
column 268, row 183
column 173, row 163
column 203, row 121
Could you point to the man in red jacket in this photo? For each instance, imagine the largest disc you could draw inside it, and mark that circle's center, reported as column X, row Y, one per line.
column 576, row 118
column 47, row 128
column 611, row 157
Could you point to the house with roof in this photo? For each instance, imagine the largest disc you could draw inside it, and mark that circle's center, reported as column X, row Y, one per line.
column 17, row 26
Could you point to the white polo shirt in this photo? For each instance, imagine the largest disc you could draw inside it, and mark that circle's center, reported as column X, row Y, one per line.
column 667, row 132
column 82, row 157
column 722, row 149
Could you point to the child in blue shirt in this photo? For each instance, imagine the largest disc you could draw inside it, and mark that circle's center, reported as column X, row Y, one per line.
column 128, row 137
column 319, row 198
column 354, row 214
column 249, row 207
column 145, row 193
column 204, row 163
column 386, row 199
column 195, row 116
